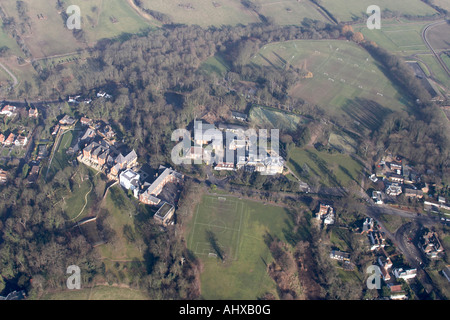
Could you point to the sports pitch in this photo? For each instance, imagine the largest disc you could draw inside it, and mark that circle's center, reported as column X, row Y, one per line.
column 342, row 71
column 239, row 227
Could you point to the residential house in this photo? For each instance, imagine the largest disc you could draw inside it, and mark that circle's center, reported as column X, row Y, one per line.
column 326, row 213
column 376, row 240
column 164, row 213
column 55, row 130
column 227, row 166
column 33, row 113
column 396, row 178
column 21, row 141
column 129, row 179
column 376, row 196
column 154, row 189
column 339, row 255
column 42, row 152
column 86, row 121
column 239, row 116
column 2, row 138
column 393, row 190
column 3, row 176
column 431, row 245
column 397, row 292
column 441, row 199
column 8, row 110
column 401, row 273
column 10, row 140
column 67, row 120
column 412, row 193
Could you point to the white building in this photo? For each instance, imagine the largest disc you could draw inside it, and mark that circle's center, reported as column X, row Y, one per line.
column 400, row 273
column 129, row 179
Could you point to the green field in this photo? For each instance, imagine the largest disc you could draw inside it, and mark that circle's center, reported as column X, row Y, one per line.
column 48, row 34
column 271, row 118
column 332, row 170
column 239, row 227
column 203, row 12
column 77, row 203
column 342, row 72
column 349, row 10
column 438, row 73
column 119, row 207
column 96, row 293
column 290, row 12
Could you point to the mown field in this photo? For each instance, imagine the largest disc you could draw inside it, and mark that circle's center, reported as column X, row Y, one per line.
column 203, row 12
column 238, row 228
column 290, row 12
column 321, row 167
column 345, row 77
column 269, row 118
column 402, row 37
column 48, row 34
column 96, row 293
column 349, row 10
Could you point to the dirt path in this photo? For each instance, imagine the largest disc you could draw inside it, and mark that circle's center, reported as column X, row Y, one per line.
column 15, row 81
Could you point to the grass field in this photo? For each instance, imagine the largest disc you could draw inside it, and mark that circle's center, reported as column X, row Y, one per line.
column 444, row 4
column 239, row 227
column 203, row 12
column 439, row 37
column 271, row 118
column 438, row 73
column 97, row 293
column 48, row 34
column 117, row 204
column 342, row 70
column 78, row 202
column 290, row 12
column 331, row 170
column 348, row 10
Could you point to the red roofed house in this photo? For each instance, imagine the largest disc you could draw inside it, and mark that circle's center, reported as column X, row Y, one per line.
column 10, row 140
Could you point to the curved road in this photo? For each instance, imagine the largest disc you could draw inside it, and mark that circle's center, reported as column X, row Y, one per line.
column 425, row 40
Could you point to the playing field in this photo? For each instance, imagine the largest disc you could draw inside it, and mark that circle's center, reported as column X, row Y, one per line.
column 342, row 72
column 203, row 12
column 332, row 170
column 348, row 10
column 235, row 229
column 290, row 12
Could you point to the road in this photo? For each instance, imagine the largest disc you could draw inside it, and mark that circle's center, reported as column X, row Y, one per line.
column 425, row 40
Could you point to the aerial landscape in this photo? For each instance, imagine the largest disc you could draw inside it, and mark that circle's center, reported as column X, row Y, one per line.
column 222, row 150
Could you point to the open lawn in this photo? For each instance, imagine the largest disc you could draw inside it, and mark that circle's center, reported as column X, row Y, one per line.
column 290, row 12
column 269, row 118
column 99, row 292
column 48, row 35
column 117, row 204
column 77, row 204
column 234, row 229
column 204, row 12
column 346, row 79
column 332, row 170
column 349, row 10
column 436, row 69
column 60, row 158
